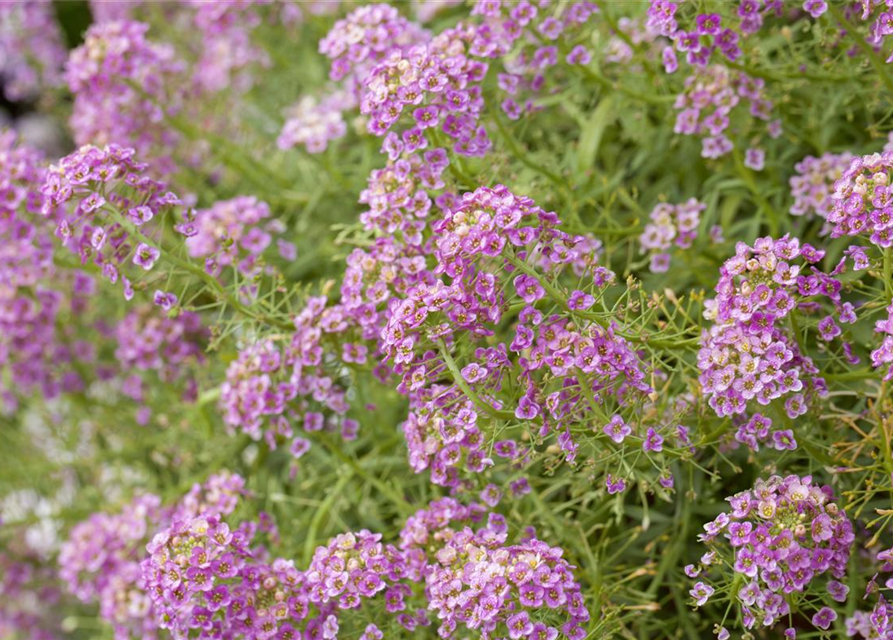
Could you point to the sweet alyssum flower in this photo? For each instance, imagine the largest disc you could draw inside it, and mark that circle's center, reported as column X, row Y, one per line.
column 520, row 591
column 812, row 186
column 473, row 242
column 670, row 224
column 99, row 563
column 236, row 234
column 35, row 353
column 709, row 102
column 104, row 205
column 32, row 51
column 269, row 388
column 123, row 86
column 783, row 535
column 749, row 354
column 863, row 200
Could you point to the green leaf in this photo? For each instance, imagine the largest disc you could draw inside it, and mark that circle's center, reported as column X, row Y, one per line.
column 591, row 137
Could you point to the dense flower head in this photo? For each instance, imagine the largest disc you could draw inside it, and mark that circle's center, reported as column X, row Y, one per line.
column 100, row 197
column 169, row 346
column 268, row 388
column 749, row 353
column 526, row 590
column 397, row 194
column 708, row 103
column 709, row 34
column 28, row 600
column 441, row 432
column 353, row 567
column 435, row 87
column 99, row 563
column 187, row 574
column 123, row 87
column 219, row 495
column 32, row 51
column 25, row 254
column 377, row 274
column 430, row 527
column 228, row 54
column 35, row 353
column 671, row 224
column 784, row 534
column 234, row 233
column 473, row 242
column 313, row 123
column 812, row 186
column 862, row 200
column 100, row 560
column 365, row 36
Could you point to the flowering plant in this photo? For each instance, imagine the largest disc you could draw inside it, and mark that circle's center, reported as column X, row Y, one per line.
column 489, row 319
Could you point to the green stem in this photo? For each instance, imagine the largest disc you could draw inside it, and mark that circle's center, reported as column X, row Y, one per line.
column 524, row 156
column 774, row 218
column 218, row 289
column 467, row 390
column 561, row 300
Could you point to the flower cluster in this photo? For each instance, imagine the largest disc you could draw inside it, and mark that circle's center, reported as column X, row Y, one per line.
column 235, row 233
column 708, row 33
column 396, row 194
column 227, row 51
column 169, row 346
column 103, row 202
column 364, row 37
column 268, row 388
column 122, row 88
column 785, row 534
column 530, row 37
column 750, row 354
column 99, row 563
column 670, row 224
column 525, row 590
column 30, row 352
column 708, row 102
column 26, row 595
column 353, row 567
column 219, row 495
column 863, row 200
column 186, row 576
column 31, row 48
column 430, row 528
column 439, row 84
column 812, row 186
column 314, row 123
column 473, row 242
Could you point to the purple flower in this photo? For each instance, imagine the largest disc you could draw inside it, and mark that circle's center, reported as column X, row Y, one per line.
column 653, row 441
column 580, row 300
column 617, row 429
column 579, row 55
column 754, row 159
column 815, row 8
column 824, row 617
column 701, row 592
column 614, row 485
column 146, row 256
